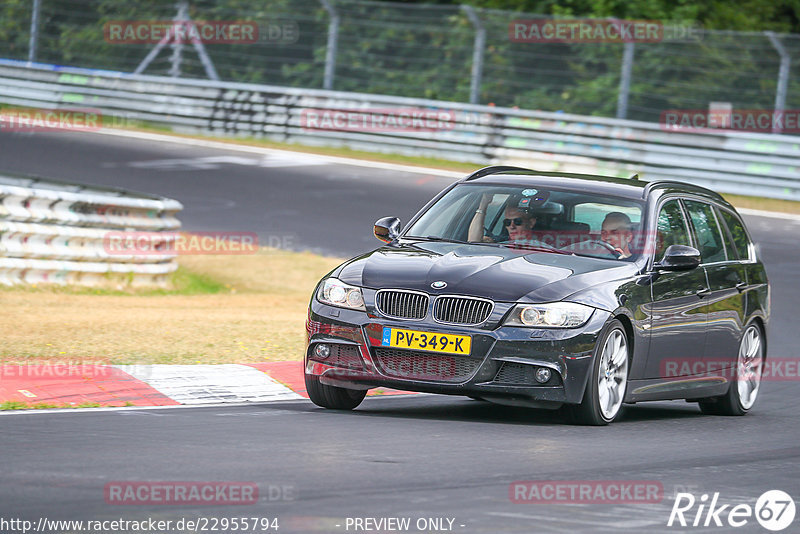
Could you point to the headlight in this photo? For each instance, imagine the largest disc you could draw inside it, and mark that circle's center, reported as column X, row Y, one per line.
column 336, row 293
column 552, row 315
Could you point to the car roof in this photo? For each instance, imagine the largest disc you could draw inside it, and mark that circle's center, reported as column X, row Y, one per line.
column 632, row 188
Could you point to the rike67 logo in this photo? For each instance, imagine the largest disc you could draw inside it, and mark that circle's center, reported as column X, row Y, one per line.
column 774, row 510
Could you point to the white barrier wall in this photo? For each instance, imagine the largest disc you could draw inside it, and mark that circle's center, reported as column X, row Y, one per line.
column 52, row 232
column 759, row 164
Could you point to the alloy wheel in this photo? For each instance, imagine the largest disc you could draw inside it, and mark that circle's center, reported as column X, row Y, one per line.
column 612, row 377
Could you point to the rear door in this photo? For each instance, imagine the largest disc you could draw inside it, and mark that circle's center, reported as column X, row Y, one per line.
column 727, row 280
column 678, row 314
column 743, row 246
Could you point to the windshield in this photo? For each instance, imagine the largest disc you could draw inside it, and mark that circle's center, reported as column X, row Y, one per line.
column 536, row 219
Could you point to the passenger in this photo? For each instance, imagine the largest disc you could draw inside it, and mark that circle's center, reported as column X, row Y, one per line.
column 617, row 231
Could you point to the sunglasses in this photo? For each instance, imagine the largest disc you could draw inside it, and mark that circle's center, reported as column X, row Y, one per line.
column 517, row 221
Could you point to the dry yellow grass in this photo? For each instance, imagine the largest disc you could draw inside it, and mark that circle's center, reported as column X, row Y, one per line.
column 259, row 316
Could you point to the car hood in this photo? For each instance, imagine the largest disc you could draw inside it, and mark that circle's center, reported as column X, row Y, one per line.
column 502, row 274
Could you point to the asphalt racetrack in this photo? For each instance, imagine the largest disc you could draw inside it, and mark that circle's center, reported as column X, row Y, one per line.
column 420, row 457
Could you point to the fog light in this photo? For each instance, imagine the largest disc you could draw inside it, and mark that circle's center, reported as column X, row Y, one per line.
column 543, row 374
column 322, row 351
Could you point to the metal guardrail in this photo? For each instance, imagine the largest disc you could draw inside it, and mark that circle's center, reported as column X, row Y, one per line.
column 735, row 162
column 53, row 232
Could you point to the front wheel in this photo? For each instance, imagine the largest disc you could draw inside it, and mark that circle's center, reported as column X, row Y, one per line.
column 743, row 391
column 608, row 379
column 333, row 397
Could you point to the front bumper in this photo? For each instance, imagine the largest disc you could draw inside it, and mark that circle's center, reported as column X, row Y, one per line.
column 500, row 366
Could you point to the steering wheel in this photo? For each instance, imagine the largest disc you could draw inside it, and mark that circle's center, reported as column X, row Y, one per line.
column 487, row 232
column 597, row 242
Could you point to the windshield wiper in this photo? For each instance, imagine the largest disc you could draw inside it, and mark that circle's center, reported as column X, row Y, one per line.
column 434, row 238
column 596, row 256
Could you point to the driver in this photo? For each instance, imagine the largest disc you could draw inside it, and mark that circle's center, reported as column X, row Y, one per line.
column 519, row 225
column 617, row 231
column 518, row 222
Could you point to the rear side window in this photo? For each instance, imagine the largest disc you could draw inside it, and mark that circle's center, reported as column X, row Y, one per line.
column 706, row 231
column 730, row 248
column 738, row 233
column 671, row 227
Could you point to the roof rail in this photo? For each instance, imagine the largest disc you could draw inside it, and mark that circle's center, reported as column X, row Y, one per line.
column 492, row 169
column 666, row 182
column 652, row 184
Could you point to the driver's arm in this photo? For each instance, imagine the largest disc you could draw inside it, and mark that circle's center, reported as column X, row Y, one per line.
column 476, row 227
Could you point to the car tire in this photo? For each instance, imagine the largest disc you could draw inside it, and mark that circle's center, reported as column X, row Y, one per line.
column 332, row 397
column 742, row 391
column 610, row 363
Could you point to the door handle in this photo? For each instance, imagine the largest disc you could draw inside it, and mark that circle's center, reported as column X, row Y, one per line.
column 703, row 291
column 741, row 286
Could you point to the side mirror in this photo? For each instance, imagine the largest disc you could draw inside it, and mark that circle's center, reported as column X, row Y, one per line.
column 679, row 258
column 387, row 229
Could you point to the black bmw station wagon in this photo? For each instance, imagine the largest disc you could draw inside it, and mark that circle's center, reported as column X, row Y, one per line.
column 549, row 290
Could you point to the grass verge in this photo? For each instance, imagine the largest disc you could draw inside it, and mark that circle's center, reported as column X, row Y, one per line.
column 14, row 405
column 223, row 309
column 766, row 204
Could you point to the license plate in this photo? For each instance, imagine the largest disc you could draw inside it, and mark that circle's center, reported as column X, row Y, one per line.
column 428, row 341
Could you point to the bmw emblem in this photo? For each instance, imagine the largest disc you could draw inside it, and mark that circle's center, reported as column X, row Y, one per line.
column 439, row 284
